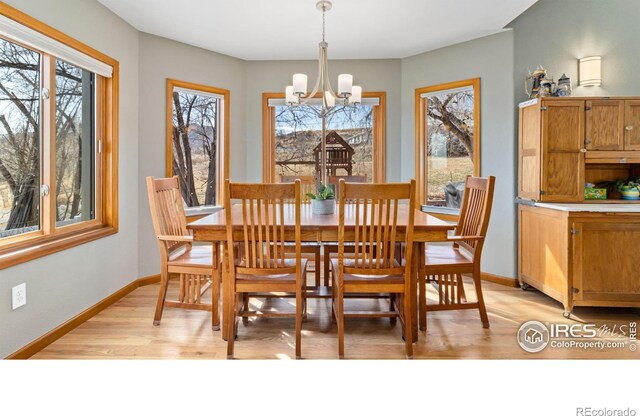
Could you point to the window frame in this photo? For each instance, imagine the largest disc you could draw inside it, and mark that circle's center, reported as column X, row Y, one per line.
column 223, row 156
column 269, row 136
column 51, row 238
column 421, row 166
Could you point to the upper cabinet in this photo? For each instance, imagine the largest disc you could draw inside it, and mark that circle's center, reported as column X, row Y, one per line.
column 551, row 155
column 605, row 125
column 566, row 142
column 632, row 124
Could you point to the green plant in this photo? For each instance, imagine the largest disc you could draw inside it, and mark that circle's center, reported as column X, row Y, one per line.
column 620, row 185
column 324, row 192
column 627, row 185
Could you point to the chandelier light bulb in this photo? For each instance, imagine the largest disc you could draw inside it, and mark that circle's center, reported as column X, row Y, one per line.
column 291, row 98
column 299, row 84
column 356, row 95
column 345, row 82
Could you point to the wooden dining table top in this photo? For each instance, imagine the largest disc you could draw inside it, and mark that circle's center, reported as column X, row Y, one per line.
column 426, row 227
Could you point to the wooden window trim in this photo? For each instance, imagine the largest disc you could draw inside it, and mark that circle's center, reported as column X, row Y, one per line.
column 379, row 136
column 421, row 139
column 223, row 157
column 51, row 239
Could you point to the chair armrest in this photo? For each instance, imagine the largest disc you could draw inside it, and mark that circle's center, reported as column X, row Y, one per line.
column 465, row 238
column 185, row 238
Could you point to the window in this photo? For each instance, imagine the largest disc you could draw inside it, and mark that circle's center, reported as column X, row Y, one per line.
column 355, row 140
column 197, row 141
column 447, row 142
column 58, row 145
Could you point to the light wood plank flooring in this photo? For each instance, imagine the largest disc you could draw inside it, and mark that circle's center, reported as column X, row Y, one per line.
column 125, row 331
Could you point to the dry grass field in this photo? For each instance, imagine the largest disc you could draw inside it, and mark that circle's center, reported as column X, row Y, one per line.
column 443, row 170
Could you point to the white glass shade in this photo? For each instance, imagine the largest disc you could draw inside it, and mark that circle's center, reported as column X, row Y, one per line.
column 590, row 71
column 330, row 99
column 299, row 84
column 345, row 81
column 290, row 97
column 356, row 95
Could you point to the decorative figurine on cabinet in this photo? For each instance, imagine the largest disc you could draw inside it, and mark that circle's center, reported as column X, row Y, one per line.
column 564, row 86
column 536, row 78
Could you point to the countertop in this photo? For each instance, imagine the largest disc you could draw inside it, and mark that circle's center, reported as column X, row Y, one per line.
column 586, row 207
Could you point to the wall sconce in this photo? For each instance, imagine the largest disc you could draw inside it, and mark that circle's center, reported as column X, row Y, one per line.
column 590, row 72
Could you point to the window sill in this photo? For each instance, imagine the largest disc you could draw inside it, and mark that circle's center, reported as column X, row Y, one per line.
column 201, row 211
column 33, row 249
column 446, row 214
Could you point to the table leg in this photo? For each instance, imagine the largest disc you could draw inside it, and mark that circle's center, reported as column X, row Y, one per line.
column 415, row 259
column 227, row 293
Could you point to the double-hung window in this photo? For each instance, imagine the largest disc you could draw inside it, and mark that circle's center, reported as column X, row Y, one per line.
column 58, row 110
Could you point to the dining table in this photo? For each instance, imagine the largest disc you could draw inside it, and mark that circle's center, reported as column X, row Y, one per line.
column 317, row 228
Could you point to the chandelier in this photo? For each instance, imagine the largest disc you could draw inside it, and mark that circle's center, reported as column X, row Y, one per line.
column 348, row 94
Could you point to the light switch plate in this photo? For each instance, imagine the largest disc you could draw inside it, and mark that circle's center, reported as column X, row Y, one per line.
column 18, row 296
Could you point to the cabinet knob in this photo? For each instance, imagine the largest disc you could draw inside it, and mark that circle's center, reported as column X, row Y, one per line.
column 628, row 128
column 583, row 150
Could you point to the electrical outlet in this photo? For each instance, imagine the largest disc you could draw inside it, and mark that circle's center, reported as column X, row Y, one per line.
column 19, row 296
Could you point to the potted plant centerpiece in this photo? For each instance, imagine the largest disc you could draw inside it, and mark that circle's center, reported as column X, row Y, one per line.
column 323, row 201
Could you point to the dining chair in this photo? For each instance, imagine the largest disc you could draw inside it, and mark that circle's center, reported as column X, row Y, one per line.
column 444, row 265
column 197, row 266
column 374, row 267
column 309, row 250
column 330, row 248
column 261, row 264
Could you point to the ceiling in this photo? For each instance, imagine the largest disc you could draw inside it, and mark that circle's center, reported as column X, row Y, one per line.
column 291, row 29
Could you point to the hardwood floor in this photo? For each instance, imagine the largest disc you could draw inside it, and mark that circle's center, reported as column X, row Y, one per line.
column 125, row 331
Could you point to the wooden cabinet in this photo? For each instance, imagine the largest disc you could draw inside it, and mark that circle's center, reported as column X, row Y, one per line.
column 580, row 258
column 632, row 125
column 551, row 165
column 560, row 137
column 604, row 125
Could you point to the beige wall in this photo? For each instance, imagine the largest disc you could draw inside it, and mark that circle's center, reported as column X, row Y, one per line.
column 62, row 285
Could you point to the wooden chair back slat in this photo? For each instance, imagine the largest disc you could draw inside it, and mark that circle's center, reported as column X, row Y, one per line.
column 475, row 211
column 263, row 218
column 376, row 226
column 167, row 212
column 307, row 185
column 335, row 180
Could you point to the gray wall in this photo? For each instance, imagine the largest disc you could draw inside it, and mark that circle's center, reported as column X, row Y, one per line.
column 556, row 33
column 160, row 59
column 62, row 285
column 273, row 76
column 491, row 59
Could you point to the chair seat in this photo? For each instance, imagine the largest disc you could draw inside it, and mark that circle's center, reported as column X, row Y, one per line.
column 275, row 278
column 366, row 278
column 437, row 255
column 198, row 256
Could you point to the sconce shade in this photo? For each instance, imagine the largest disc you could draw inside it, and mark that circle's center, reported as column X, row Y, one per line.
column 590, row 72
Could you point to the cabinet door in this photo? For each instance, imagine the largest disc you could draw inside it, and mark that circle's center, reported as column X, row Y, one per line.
column 562, row 151
column 632, row 125
column 605, row 125
column 529, row 152
column 605, row 261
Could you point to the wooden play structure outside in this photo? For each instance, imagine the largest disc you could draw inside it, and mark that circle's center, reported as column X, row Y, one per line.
column 339, row 156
